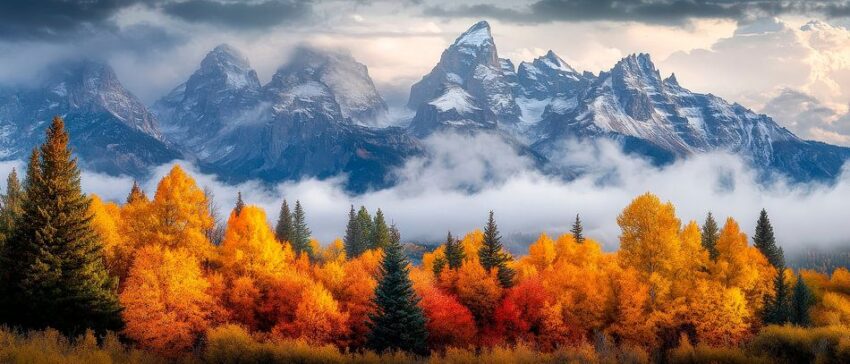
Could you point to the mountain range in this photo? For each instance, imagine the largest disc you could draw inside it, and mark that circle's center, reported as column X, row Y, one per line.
column 308, row 120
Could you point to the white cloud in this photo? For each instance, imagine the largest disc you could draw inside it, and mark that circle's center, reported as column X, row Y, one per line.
column 465, row 177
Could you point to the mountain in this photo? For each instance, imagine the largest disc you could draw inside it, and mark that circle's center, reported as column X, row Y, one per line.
column 546, row 103
column 111, row 130
column 662, row 120
column 303, row 123
column 472, row 64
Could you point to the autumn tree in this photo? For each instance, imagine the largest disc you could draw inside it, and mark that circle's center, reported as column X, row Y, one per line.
column 166, row 299
column 450, row 324
column 578, row 230
column 710, row 235
column 54, row 260
column 380, row 231
column 398, row 322
column 765, row 241
column 179, row 216
column 284, row 230
column 492, row 255
column 136, row 194
column 650, row 241
column 249, row 247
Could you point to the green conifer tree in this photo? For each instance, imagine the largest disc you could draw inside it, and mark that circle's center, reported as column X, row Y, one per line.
column 492, row 255
column 398, row 322
column 765, row 241
column 801, row 301
column 710, row 234
column 366, row 228
column 283, row 231
column 380, row 231
column 56, row 273
column 454, row 252
column 353, row 236
column 301, row 233
column 10, row 206
column 777, row 308
column 578, row 231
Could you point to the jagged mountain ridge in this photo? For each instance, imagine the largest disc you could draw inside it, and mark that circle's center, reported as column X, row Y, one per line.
column 303, row 123
column 113, row 132
column 630, row 104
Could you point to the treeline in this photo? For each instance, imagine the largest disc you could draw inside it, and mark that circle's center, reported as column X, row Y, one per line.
column 160, row 272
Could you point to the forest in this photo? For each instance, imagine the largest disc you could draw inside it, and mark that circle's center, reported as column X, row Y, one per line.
column 159, row 279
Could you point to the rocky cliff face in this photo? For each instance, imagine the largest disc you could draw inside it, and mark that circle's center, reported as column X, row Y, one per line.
column 111, row 130
column 303, row 123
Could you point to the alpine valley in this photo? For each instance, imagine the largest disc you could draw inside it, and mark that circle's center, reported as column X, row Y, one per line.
column 313, row 118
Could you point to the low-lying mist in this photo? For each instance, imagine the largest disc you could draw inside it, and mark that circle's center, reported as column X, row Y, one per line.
column 463, row 177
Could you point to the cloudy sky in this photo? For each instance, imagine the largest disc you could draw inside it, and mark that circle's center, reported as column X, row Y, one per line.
column 789, row 59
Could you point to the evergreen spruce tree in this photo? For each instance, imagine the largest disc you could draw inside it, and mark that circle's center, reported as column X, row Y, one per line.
column 283, row 231
column 801, row 301
column 366, row 228
column 353, row 236
column 301, row 233
column 577, row 231
column 710, row 234
column 766, row 242
column 398, row 322
column 454, row 252
column 10, row 206
column 136, row 194
column 239, row 204
column 777, row 309
column 56, row 275
column 492, row 255
column 380, row 231
column 439, row 265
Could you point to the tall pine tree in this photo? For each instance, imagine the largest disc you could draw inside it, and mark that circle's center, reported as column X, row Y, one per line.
column 454, row 252
column 766, row 242
column 398, row 322
column 10, row 206
column 366, row 228
column 578, row 231
column 801, row 300
column 56, row 273
column 380, row 231
column 301, row 233
column 353, row 236
column 283, row 231
column 492, row 256
column 239, row 204
column 777, row 309
column 710, row 234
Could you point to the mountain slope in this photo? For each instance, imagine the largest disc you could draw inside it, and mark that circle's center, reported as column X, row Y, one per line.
column 299, row 125
column 111, row 130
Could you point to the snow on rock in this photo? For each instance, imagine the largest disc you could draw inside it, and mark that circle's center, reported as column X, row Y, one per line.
column 455, row 98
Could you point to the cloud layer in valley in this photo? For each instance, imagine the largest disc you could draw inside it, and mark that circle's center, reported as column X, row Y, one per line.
column 464, row 177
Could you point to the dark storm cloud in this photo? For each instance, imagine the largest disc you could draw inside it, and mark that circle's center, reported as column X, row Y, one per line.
column 240, row 14
column 646, row 11
column 55, row 19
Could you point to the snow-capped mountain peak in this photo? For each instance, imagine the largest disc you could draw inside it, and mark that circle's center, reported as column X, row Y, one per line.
column 228, row 63
column 476, row 36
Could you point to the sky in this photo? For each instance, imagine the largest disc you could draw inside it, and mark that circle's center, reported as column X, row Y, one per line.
column 789, row 59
